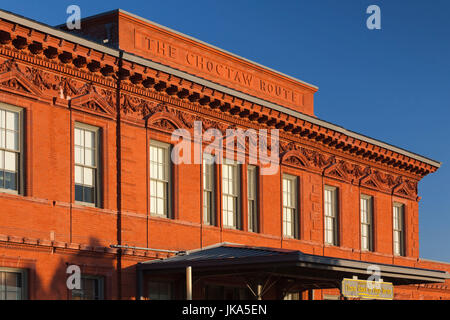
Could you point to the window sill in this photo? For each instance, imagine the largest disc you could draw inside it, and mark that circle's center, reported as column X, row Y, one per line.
column 86, row 204
column 162, row 217
column 209, row 226
column 231, row 228
column 9, row 191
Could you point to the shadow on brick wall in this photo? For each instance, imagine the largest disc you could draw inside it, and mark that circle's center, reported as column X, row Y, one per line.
column 48, row 281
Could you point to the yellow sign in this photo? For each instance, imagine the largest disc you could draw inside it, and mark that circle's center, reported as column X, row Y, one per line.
column 352, row 288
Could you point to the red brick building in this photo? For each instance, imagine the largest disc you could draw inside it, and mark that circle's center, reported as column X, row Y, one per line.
column 83, row 184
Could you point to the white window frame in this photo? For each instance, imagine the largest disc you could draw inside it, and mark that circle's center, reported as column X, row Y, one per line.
column 209, row 189
column 252, row 198
column 165, row 180
column 19, row 162
column 24, row 280
column 331, row 216
column 366, row 216
column 290, row 206
column 398, row 228
column 96, row 167
column 232, row 197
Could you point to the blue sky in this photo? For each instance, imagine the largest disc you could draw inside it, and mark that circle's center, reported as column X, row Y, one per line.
column 391, row 84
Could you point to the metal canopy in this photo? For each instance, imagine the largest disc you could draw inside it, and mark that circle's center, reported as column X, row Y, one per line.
column 229, row 259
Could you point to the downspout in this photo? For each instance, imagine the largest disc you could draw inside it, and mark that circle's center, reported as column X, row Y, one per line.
column 72, row 162
column 119, row 178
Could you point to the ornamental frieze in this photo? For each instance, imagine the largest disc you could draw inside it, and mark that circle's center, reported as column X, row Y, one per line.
column 308, row 157
column 39, row 79
column 136, row 105
column 160, row 85
column 34, row 81
column 39, row 83
column 298, row 156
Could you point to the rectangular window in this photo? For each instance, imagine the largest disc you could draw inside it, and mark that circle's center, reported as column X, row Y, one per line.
column 331, row 215
column 10, row 148
column 208, row 189
column 160, row 179
column 290, row 207
column 92, row 288
column 398, row 223
column 87, row 189
column 366, row 223
column 252, row 191
column 292, row 296
column 12, row 284
column 230, row 194
column 159, row 290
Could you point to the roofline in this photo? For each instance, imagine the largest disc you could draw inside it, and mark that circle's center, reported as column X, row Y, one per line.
column 297, row 114
column 434, row 261
column 218, row 49
column 303, row 260
column 201, row 42
column 158, row 66
column 212, row 246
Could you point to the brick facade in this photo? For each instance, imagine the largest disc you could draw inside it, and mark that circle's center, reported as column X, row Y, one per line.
column 58, row 82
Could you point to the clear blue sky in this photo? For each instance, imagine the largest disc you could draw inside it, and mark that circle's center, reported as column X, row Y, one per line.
column 391, row 84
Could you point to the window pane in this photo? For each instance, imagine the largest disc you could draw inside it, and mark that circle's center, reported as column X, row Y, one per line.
column 2, row 138
column 12, row 120
column 2, row 119
column 10, row 180
column 153, row 173
column 289, row 206
column 89, row 194
column 89, row 157
column 160, row 189
column 160, row 206
column 208, row 188
column 89, row 139
column 12, row 140
column 78, row 192
column 88, row 177
column 330, row 215
column 365, row 244
column 11, row 285
column 78, row 175
column 91, row 289
column 159, row 179
column 79, row 155
column 252, row 195
column 230, row 194
column 10, row 161
column 9, row 140
column 85, row 170
column 77, row 135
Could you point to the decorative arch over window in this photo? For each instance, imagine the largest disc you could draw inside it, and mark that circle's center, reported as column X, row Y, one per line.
column 295, row 158
column 165, row 121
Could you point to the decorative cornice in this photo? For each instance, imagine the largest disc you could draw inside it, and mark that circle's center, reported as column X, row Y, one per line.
column 100, row 68
column 330, row 166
